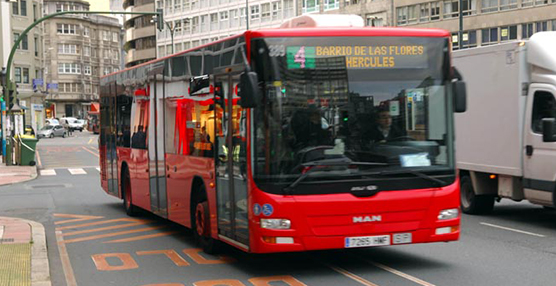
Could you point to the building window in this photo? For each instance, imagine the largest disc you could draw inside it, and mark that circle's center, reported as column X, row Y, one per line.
column 23, row 7
column 114, row 37
column 331, row 4
column 255, row 12
column 469, row 7
column 276, row 9
column 17, row 73
column 67, row 29
column 34, row 12
column 25, row 75
column 105, row 35
column 489, row 6
column 69, row 68
column 527, row 3
column 86, row 31
column 224, row 16
column 265, row 11
column 469, row 39
column 16, row 36
column 15, row 8
column 424, row 14
column 508, row 33
column 508, row 4
column 451, row 8
column 87, row 70
column 106, row 70
column 24, row 43
column 87, row 88
column 310, row 6
column 374, row 21
column 490, row 36
column 402, row 16
column 435, row 10
column 540, row 27
column 526, row 30
column 36, row 47
column 87, row 51
column 67, row 49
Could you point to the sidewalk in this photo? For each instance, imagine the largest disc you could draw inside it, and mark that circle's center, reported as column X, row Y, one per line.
column 16, row 174
column 23, row 253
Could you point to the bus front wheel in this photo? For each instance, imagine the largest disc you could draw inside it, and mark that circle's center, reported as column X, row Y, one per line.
column 201, row 224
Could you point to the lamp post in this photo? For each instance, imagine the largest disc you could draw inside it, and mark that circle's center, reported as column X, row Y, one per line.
column 172, row 29
column 460, row 32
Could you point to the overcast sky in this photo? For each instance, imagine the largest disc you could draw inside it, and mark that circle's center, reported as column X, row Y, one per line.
column 99, row 5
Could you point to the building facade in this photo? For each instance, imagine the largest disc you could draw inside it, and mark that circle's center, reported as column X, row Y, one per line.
column 79, row 49
column 197, row 22
column 140, row 35
column 26, row 70
column 485, row 22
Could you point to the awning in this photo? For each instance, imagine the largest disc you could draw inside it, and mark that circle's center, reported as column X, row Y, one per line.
column 95, row 107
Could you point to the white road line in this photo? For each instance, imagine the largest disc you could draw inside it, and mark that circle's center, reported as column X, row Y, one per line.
column 78, row 171
column 98, row 169
column 512, row 229
column 50, row 172
column 1, row 231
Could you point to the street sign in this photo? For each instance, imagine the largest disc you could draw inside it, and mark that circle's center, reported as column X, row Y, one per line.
column 37, row 82
column 52, row 86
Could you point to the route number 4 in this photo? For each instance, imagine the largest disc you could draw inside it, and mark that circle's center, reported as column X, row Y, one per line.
column 300, row 57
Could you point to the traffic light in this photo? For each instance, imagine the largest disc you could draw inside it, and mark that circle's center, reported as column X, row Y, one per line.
column 160, row 19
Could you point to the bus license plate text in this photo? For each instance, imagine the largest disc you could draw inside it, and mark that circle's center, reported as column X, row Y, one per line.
column 364, row 241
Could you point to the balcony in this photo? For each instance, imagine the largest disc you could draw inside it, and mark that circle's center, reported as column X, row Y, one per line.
column 131, row 34
column 140, row 55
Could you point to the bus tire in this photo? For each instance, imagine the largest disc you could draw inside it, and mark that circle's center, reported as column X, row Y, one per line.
column 472, row 203
column 130, row 209
column 200, row 222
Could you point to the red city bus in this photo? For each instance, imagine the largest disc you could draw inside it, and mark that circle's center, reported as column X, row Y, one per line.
column 294, row 139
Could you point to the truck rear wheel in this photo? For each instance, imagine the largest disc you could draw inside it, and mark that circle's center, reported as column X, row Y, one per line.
column 472, row 203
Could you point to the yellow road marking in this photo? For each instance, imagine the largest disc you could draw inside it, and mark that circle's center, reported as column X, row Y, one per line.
column 66, row 264
column 103, row 228
column 141, row 237
column 90, row 141
column 90, row 151
column 170, row 253
column 77, row 218
column 103, row 222
column 351, row 275
column 102, row 264
column 111, row 234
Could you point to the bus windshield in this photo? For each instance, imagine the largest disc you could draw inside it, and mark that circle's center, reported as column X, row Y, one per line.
column 377, row 104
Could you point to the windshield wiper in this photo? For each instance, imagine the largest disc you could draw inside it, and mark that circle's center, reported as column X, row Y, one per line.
column 324, row 163
column 439, row 183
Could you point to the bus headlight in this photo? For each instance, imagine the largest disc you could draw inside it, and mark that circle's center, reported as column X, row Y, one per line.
column 448, row 214
column 275, row 223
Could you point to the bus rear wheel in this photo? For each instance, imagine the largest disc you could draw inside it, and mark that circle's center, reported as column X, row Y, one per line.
column 472, row 203
column 201, row 224
column 130, row 209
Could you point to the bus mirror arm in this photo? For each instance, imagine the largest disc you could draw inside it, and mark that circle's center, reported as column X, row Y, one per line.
column 459, row 91
column 249, row 91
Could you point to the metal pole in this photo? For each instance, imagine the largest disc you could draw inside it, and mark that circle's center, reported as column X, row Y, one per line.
column 246, row 14
column 460, row 32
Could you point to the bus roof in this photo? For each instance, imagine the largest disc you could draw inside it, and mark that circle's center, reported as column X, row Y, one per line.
column 316, row 32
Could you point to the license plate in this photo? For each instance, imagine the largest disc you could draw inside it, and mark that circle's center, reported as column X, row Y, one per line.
column 365, row 241
column 402, row 238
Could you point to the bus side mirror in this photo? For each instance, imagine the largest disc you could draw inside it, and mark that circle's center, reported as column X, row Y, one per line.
column 460, row 96
column 548, row 130
column 249, row 91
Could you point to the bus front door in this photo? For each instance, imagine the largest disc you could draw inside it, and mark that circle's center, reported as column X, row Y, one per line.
column 231, row 161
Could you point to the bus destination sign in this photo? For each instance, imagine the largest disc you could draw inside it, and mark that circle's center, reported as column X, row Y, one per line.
column 359, row 57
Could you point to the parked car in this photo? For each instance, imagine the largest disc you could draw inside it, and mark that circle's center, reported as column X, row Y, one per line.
column 52, row 130
column 78, row 124
column 52, row 121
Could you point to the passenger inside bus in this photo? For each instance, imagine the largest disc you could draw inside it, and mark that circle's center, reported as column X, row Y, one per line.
column 383, row 129
column 139, row 138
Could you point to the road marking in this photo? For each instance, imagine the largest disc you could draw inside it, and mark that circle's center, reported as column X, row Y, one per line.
column 351, row 275
column 1, row 231
column 125, row 219
column 399, row 273
column 49, row 172
column 112, row 234
column 512, row 229
column 103, row 228
column 90, row 141
column 64, row 257
column 141, row 237
column 90, row 151
column 77, row 171
column 76, row 218
column 98, row 169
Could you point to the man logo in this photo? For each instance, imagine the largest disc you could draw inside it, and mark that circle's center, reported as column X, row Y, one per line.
column 360, row 219
column 364, row 188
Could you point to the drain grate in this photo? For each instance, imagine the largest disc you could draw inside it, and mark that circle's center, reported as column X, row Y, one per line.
column 47, row 186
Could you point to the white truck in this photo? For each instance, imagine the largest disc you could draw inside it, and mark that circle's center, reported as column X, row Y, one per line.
column 505, row 141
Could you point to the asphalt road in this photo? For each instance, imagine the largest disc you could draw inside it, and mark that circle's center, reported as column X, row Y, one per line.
column 89, row 235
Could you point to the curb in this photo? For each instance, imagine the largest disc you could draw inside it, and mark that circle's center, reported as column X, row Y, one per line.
column 34, row 176
column 40, row 269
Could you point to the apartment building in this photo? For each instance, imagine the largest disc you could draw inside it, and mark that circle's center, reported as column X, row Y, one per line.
column 197, row 22
column 485, row 22
column 79, row 49
column 26, row 71
column 140, row 36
